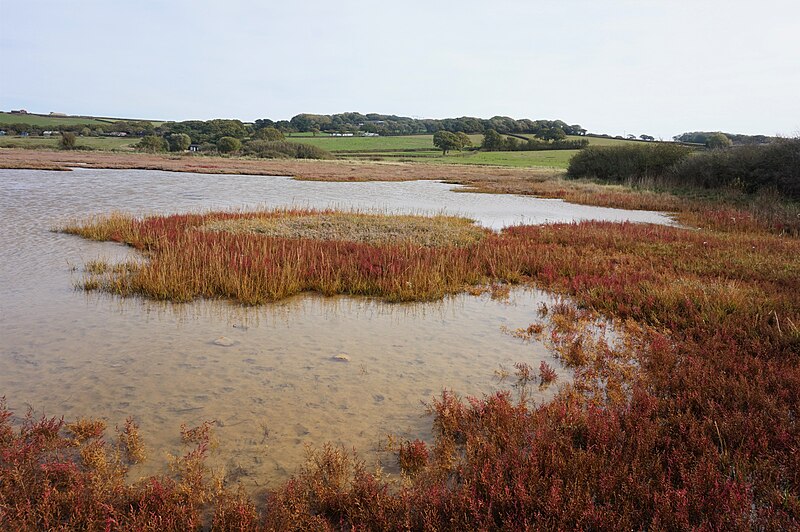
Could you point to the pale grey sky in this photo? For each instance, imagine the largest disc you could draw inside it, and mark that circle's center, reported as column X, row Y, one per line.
column 614, row 66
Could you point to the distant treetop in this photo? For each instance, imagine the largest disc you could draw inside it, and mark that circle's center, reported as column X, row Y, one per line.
column 403, row 125
column 702, row 137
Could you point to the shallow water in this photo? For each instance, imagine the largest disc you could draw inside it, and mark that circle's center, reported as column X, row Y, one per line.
column 276, row 387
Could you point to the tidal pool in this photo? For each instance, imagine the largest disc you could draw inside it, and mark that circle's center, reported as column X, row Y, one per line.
column 273, row 385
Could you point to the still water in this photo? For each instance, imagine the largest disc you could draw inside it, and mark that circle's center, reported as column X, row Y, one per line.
column 273, row 386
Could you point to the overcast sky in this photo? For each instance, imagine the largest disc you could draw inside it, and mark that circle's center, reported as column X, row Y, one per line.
column 613, row 66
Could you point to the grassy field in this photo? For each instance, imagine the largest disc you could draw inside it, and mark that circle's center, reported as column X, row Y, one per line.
column 516, row 159
column 407, row 142
column 419, row 148
column 47, row 121
column 95, row 143
column 374, row 144
column 605, row 141
column 55, row 121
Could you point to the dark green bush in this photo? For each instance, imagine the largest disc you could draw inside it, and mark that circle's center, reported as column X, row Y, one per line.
column 624, row 163
column 152, row 144
column 280, row 149
column 229, row 145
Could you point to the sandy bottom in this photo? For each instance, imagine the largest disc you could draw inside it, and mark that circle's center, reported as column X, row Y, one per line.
column 268, row 377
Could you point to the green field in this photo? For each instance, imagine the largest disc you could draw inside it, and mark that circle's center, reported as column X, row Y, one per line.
column 519, row 159
column 96, row 143
column 605, row 141
column 419, row 148
column 407, row 142
column 47, row 121
column 55, row 121
column 374, row 144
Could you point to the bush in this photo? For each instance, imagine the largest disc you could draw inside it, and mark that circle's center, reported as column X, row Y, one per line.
column 179, row 142
column 747, row 168
column 67, row 141
column 229, row 145
column 718, row 140
column 624, row 163
column 152, row 144
column 284, row 150
column 268, row 133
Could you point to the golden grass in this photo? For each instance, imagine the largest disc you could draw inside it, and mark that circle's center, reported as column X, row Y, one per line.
column 435, row 231
column 84, row 429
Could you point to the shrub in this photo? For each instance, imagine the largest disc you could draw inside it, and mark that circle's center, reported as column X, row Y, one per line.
column 67, row 141
column 229, row 145
column 718, row 140
column 268, row 133
column 748, row 168
column 280, row 149
column 179, row 142
column 152, row 144
column 624, row 163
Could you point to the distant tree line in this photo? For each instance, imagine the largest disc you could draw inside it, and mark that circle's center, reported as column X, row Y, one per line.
column 205, row 133
column 137, row 128
column 703, row 137
column 403, row 125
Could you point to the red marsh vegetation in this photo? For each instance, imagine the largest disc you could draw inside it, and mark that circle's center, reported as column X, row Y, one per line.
column 690, row 421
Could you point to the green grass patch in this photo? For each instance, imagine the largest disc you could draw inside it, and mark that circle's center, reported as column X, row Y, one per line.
column 376, row 144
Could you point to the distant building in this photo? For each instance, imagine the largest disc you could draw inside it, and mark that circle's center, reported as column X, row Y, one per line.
column 53, row 113
column 48, row 133
column 194, row 147
column 19, row 112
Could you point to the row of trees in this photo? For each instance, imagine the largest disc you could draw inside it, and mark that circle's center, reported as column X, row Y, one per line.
column 403, row 125
column 128, row 127
column 494, row 141
column 269, row 143
column 211, row 131
column 214, row 139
